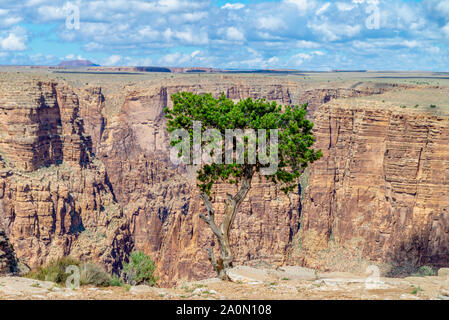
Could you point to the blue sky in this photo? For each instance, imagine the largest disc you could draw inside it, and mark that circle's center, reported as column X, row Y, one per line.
column 287, row 34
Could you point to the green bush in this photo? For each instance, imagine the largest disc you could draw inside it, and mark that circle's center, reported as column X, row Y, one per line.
column 95, row 275
column 90, row 273
column 424, row 271
column 54, row 271
column 116, row 281
column 140, row 270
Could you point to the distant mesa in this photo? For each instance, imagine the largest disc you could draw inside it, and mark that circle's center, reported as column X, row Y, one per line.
column 78, row 63
column 154, row 69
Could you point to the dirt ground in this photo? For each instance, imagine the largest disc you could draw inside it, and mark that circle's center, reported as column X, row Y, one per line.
column 290, row 283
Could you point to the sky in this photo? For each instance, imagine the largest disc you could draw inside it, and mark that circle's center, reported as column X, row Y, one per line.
column 316, row 35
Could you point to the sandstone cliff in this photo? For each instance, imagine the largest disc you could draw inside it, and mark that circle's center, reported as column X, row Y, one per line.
column 86, row 172
column 380, row 193
column 54, row 195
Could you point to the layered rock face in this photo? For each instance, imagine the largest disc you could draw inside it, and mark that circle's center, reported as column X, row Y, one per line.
column 54, row 195
column 81, row 180
column 380, row 191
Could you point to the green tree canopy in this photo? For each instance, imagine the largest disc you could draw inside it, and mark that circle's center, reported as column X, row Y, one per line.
column 292, row 151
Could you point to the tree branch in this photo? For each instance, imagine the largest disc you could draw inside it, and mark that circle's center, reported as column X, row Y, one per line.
column 210, row 218
column 233, row 203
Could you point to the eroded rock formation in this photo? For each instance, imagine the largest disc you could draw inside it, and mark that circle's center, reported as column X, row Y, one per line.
column 54, row 194
column 83, row 178
column 381, row 190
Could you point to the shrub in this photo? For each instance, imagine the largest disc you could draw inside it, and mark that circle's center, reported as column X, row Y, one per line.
column 424, row 271
column 95, row 275
column 140, row 269
column 54, row 271
column 433, row 106
column 116, row 281
column 90, row 273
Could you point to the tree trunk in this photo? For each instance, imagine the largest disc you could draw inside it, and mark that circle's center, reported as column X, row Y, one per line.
column 232, row 204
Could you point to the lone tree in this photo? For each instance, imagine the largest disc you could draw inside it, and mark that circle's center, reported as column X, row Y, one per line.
column 292, row 152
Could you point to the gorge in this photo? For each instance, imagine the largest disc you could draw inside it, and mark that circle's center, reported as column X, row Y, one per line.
column 86, row 172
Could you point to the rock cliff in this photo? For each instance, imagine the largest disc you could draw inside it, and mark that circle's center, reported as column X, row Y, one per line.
column 86, row 172
column 54, row 194
column 380, row 193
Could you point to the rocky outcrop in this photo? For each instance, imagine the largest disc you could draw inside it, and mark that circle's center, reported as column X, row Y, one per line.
column 55, row 197
column 91, row 104
column 380, row 191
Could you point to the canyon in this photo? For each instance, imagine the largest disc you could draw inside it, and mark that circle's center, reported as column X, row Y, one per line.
column 86, row 173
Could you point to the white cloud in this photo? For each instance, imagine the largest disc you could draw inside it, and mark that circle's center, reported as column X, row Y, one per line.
column 323, row 8
column 188, row 36
column 411, row 43
column 51, row 13
column 443, row 7
column 343, row 6
column 74, row 57
column 113, row 60
column 233, row 6
column 13, row 42
column 234, row 34
column 446, row 30
column 93, row 46
column 271, row 23
column 179, row 59
column 302, row 5
column 298, row 59
column 307, row 44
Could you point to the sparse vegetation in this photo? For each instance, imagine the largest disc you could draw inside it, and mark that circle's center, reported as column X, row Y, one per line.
column 424, row 271
column 54, row 271
column 116, row 281
column 140, row 270
column 90, row 273
column 95, row 275
column 416, row 290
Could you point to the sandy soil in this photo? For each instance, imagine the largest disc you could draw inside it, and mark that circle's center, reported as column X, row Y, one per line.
column 249, row 284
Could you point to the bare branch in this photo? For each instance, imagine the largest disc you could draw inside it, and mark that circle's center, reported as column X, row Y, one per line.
column 207, row 203
column 209, row 219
